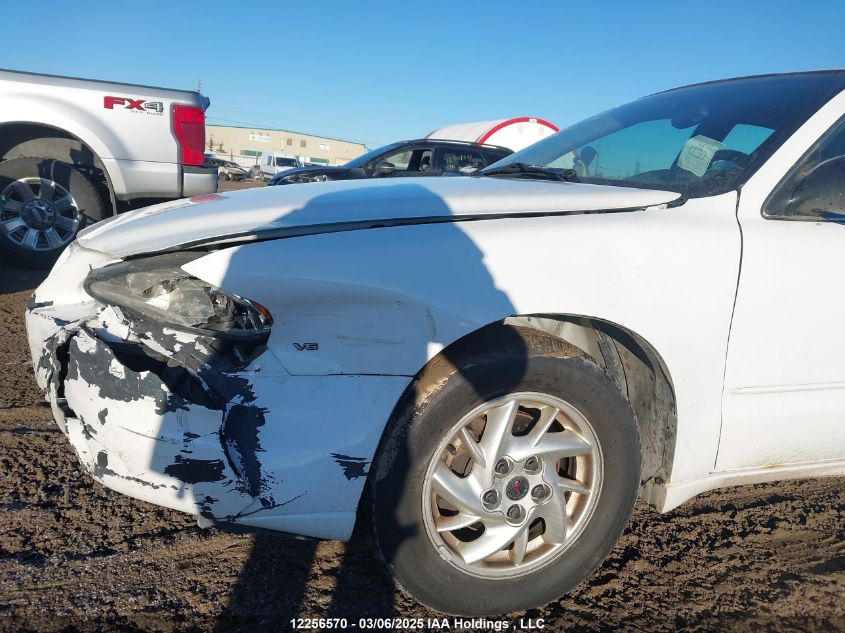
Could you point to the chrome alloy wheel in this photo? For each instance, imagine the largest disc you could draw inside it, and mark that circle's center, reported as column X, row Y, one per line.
column 38, row 214
column 512, row 485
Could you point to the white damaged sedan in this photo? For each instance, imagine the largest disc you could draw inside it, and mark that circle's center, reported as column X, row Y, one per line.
column 490, row 368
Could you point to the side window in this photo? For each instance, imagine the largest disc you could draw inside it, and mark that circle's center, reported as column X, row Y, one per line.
column 456, row 159
column 400, row 160
column 815, row 188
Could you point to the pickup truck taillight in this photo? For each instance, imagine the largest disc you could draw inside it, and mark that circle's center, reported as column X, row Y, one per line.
column 189, row 129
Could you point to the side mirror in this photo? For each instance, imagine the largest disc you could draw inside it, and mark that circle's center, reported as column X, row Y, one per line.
column 821, row 191
column 385, row 167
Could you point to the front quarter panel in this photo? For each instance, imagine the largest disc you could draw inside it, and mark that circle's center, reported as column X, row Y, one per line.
column 383, row 301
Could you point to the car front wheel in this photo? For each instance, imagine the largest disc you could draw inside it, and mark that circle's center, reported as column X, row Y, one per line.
column 509, row 484
column 44, row 203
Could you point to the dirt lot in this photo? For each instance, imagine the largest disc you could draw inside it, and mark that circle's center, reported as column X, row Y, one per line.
column 76, row 555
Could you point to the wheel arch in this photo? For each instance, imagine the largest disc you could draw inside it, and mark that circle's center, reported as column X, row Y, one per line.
column 24, row 139
column 631, row 361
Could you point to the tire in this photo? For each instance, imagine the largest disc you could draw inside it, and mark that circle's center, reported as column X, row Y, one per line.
column 35, row 237
column 407, row 499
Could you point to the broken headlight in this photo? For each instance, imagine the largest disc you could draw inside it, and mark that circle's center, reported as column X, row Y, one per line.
column 158, row 288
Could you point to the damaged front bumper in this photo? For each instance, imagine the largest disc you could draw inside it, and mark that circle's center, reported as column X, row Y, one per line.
column 178, row 420
column 145, row 424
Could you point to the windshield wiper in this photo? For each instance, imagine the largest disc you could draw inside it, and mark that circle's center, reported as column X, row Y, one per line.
column 526, row 170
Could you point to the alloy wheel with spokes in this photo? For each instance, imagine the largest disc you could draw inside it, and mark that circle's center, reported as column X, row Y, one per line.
column 512, row 484
column 507, row 474
column 38, row 214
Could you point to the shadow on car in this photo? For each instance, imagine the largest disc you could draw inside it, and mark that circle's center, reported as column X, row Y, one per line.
column 272, row 585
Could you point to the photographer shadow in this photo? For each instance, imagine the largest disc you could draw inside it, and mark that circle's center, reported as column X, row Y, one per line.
column 439, row 267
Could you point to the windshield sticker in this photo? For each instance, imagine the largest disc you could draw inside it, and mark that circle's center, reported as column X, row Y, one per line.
column 697, row 153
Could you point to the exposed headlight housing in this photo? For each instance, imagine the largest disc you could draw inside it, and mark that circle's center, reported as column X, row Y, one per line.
column 158, row 288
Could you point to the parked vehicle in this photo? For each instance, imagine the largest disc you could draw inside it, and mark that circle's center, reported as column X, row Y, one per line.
column 232, row 171
column 506, row 361
column 422, row 157
column 226, row 169
column 74, row 151
column 254, row 173
column 273, row 163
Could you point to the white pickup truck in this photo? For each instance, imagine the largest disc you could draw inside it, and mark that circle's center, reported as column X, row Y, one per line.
column 74, row 151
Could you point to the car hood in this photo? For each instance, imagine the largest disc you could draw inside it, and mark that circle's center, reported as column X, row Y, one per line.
column 302, row 209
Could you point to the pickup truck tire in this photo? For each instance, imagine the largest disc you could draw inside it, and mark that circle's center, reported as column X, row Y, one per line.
column 44, row 203
column 442, row 496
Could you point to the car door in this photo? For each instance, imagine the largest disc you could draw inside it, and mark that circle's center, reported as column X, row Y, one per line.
column 784, row 396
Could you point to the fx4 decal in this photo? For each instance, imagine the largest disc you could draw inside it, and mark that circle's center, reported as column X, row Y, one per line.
column 136, row 105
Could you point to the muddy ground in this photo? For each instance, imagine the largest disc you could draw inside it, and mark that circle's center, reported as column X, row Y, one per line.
column 76, row 555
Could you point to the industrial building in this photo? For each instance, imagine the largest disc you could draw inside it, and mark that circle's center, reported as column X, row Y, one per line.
column 244, row 145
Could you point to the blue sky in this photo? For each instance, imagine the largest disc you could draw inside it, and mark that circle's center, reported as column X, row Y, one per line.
column 381, row 71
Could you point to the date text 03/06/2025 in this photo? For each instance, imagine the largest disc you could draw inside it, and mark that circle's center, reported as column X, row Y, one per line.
column 451, row 624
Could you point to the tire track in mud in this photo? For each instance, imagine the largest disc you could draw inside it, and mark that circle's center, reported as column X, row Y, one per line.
column 74, row 554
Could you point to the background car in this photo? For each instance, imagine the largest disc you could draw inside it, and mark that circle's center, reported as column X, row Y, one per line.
column 254, row 173
column 231, row 171
column 226, row 169
column 422, row 157
column 274, row 163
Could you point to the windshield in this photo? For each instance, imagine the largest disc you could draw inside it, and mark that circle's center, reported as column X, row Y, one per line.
column 698, row 141
column 363, row 159
column 286, row 162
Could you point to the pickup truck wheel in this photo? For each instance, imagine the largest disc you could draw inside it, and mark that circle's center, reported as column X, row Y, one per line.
column 512, row 484
column 44, row 203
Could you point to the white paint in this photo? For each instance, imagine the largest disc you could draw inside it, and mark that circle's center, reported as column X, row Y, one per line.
column 170, row 224
column 673, row 495
column 783, row 404
column 375, row 300
column 433, row 349
column 308, row 419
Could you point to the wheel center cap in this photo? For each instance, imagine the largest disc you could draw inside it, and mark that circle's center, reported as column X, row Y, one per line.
column 517, row 488
column 38, row 214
